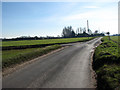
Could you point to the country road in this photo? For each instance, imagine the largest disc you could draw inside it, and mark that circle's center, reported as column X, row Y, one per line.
column 67, row 68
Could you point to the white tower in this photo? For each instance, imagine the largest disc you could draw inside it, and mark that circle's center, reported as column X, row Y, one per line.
column 87, row 26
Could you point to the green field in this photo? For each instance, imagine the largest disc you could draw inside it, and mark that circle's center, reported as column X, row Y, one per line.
column 44, row 41
column 11, row 57
column 106, row 63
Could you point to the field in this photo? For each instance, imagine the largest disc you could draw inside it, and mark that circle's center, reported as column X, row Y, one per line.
column 40, row 42
column 107, row 64
column 24, row 44
column 11, row 56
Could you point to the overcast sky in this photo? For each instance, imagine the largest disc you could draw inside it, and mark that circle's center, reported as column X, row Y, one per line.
column 49, row 18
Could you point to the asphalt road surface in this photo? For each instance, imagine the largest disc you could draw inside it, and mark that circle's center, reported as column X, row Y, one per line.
column 67, row 68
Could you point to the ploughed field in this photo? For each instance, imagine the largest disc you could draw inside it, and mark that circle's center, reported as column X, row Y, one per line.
column 15, row 52
column 106, row 63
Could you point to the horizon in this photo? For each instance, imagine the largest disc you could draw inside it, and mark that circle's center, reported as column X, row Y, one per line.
column 49, row 18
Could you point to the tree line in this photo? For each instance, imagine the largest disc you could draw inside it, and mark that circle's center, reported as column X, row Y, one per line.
column 68, row 32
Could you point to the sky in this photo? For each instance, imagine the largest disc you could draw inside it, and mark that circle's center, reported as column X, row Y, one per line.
column 49, row 18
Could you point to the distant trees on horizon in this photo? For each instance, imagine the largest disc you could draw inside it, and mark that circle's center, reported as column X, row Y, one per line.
column 68, row 32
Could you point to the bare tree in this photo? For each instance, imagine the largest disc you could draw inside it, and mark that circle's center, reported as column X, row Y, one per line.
column 81, row 30
column 68, row 32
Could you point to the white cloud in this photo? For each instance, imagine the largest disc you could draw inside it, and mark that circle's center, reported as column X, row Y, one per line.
column 91, row 7
column 103, row 14
column 76, row 16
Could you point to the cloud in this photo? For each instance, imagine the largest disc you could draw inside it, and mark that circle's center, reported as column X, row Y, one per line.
column 90, row 7
column 76, row 17
column 101, row 14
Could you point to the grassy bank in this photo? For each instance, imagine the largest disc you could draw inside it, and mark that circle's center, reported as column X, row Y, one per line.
column 11, row 57
column 106, row 63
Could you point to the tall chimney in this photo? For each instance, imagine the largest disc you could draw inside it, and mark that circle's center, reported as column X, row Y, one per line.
column 87, row 26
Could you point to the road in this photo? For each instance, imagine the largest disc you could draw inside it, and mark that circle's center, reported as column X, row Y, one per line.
column 67, row 68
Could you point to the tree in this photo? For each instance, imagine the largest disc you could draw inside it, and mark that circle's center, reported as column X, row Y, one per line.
column 84, row 30
column 81, row 30
column 108, row 33
column 68, row 32
column 77, row 31
column 36, row 37
column 90, row 32
column 96, row 32
column 73, row 33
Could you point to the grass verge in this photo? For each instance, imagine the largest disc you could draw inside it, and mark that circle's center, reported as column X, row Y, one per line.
column 106, row 63
column 12, row 57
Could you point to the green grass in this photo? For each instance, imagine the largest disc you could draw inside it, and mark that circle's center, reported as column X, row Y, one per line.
column 11, row 57
column 115, row 38
column 12, row 53
column 40, row 42
column 106, row 63
column 108, row 77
